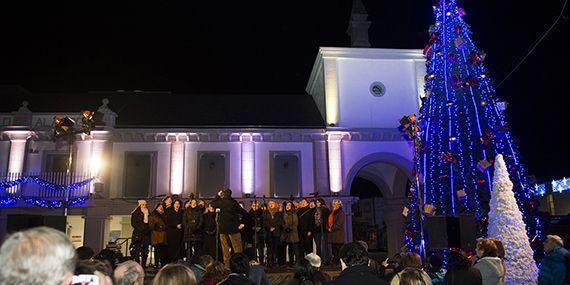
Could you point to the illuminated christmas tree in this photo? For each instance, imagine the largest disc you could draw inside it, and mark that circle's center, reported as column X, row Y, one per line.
column 460, row 129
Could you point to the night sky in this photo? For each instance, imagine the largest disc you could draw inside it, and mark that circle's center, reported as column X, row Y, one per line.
column 268, row 47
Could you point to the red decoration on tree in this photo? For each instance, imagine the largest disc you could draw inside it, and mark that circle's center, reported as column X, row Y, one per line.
column 481, row 181
column 474, row 58
column 487, row 138
column 451, row 58
column 448, row 156
column 471, row 82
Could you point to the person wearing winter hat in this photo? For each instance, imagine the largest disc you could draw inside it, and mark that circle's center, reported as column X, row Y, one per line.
column 141, row 232
column 307, row 272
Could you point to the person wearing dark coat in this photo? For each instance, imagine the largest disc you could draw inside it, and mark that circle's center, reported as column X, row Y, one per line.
column 210, row 238
column 460, row 271
column 174, row 232
column 272, row 222
column 335, row 229
column 158, row 227
column 258, row 232
column 306, row 226
column 230, row 214
column 290, row 233
column 552, row 270
column 141, row 232
column 355, row 269
column 193, row 222
column 246, row 232
column 320, row 216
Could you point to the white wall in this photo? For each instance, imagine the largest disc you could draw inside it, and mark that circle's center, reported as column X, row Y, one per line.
column 263, row 171
column 191, row 164
column 75, row 229
column 359, row 108
column 353, row 151
column 162, row 150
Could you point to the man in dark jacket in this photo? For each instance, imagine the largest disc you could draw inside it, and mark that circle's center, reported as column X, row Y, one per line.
column 272, row 221
column 306, row 226
column 193, row 221
column 355, row 269
column 230, row 214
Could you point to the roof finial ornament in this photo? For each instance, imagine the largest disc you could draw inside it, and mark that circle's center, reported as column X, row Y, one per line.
column 358, row 25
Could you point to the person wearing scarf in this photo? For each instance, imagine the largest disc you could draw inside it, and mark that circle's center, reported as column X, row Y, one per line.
column 321, row 216
column 335, row 229
column 272, row 221
column 141, row 232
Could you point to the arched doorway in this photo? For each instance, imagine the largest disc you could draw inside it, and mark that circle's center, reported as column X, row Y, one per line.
column 377, row 216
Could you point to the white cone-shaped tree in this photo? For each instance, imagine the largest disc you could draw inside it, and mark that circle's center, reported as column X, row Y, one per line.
column 506, row 223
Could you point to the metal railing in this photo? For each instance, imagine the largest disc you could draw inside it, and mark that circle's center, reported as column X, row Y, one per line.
column 45, row 188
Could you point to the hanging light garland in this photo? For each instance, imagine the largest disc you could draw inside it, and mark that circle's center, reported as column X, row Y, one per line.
column 42, row 202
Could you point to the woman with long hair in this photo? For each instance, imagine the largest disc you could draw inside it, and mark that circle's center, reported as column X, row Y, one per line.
column 290, row 234
column 335, row 229
column 174, row 233
column 158, row 234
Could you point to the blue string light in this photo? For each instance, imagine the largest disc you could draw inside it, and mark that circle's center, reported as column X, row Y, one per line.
column 10, row 200
column 461, row 129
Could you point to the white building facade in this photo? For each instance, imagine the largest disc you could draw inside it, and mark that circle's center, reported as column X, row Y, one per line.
column 360, row 93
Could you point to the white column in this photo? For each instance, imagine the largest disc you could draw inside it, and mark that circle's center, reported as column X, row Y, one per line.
column 247, row 164
column 96, row 161
column 17, row 150
column 82, row 158
column 176, row 164
column 334, row 140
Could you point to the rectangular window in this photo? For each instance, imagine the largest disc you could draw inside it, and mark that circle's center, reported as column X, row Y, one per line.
column 213, row 172
column 139, row 174
column 285, row 174
column 56, row 162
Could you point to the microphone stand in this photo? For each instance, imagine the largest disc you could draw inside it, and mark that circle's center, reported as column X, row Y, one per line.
column 255, row 226
column 217, row 233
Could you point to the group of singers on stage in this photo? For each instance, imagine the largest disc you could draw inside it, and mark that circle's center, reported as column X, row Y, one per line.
column 178, row 230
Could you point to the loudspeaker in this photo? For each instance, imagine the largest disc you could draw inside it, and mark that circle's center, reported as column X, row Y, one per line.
column 446, row 231
column 21, row 222
column 436, row 232
column 468, row 226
